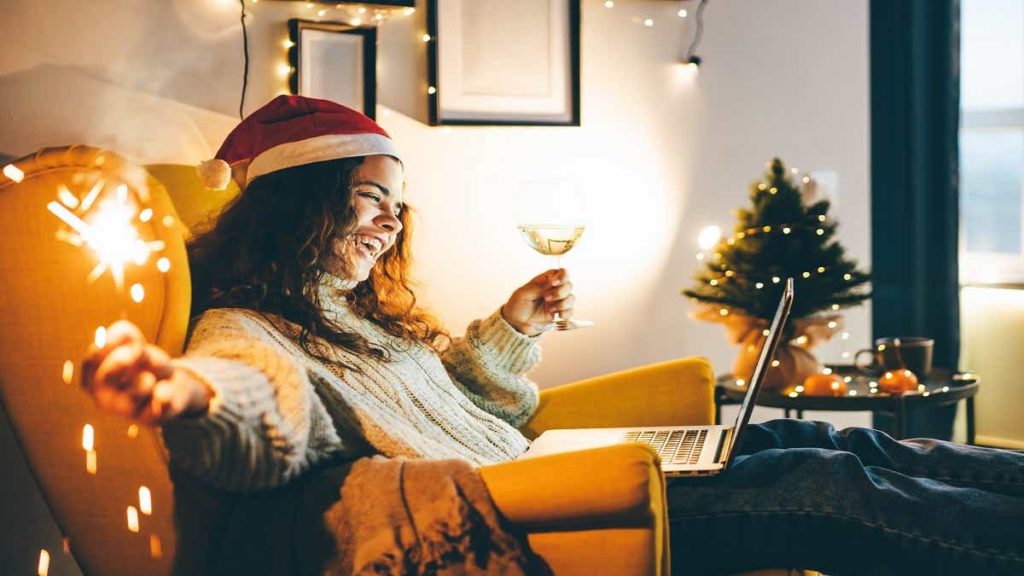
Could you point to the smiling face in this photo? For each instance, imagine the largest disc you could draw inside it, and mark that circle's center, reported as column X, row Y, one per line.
column 376, row 200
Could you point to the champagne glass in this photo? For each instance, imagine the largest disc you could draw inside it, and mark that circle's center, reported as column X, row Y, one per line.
column 550, row 218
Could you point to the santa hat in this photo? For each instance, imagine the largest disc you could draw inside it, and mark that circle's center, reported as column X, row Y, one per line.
column 291, row 131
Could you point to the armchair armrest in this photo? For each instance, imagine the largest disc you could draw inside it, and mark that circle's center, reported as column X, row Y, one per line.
column 598, row 511
column 613, row 485
column 665, row 394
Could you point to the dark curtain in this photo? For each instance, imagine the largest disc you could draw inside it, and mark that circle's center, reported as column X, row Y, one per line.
column 915, row 110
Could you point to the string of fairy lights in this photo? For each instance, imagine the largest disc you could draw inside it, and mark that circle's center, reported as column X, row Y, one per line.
column 102, row 219
column 356, row 15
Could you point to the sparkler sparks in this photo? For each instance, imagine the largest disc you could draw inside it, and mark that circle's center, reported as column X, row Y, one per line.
column 68, row 372
column 88, row 436
column 14, row 173
column 108, row 230
column 44, row 563
column 145, row 501
column 133, row 519
column 155, row 550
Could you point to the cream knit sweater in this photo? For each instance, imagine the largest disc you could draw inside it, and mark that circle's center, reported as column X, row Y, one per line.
column 277, row 411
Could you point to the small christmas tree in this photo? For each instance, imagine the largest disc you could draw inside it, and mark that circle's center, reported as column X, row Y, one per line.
column 786, row 233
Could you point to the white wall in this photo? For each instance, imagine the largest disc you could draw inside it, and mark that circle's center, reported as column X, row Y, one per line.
column 661, row 151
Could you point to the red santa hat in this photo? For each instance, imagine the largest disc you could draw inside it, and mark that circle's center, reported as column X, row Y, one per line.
column 291, row 131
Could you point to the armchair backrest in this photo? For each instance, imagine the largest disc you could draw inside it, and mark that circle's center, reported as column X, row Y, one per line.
column 49, row 313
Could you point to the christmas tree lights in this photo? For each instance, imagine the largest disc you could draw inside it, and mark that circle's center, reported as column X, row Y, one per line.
column 786, row 232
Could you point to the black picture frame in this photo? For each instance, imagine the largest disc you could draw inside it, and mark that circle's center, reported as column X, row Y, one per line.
column 312, row 75
column 396, row 3
column 460, row 95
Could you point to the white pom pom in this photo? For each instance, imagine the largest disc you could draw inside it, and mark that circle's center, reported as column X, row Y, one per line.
column 214, row 173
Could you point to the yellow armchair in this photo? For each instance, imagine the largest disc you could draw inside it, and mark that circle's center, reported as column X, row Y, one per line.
column 591, row 512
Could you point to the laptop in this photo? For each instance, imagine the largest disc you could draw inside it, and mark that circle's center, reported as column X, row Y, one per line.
column 686, row 450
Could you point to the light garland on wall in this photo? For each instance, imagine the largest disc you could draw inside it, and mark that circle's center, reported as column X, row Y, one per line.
column 690, row 58
column 359, row 16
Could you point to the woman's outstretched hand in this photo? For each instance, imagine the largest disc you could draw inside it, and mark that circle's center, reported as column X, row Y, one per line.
column 533, row 305
column 130, row 377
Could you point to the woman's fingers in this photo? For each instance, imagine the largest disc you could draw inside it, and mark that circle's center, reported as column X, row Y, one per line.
column 122, row 332
column 563, row 307
column 120, row 366
column 118, row 334
column 559, row 292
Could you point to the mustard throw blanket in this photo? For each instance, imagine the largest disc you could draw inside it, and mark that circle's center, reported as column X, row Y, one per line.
column 399, row 516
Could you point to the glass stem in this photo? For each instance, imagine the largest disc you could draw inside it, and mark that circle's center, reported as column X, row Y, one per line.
column 558, row 266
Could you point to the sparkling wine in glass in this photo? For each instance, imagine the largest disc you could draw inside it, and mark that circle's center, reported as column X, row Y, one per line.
column 550, row 220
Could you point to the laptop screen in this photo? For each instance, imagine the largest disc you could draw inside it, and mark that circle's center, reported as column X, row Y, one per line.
column 771, row 342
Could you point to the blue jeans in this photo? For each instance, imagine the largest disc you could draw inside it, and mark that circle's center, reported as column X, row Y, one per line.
column 801, row 494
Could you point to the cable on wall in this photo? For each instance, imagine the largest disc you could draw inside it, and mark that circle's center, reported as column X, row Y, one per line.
column 245, row 49
column 690, row 57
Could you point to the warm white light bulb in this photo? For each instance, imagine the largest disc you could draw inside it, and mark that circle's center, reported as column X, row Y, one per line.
column 709, row 236
column 609, row 4
column 683, row 13
column 648, row 22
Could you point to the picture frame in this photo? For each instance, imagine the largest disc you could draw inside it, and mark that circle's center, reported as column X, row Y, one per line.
column 494, row 62
column 388, row 3
column 334, row 61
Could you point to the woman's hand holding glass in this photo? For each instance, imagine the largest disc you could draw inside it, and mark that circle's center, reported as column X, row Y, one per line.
column 550, row 215
column 534, row 306
column 131, row 377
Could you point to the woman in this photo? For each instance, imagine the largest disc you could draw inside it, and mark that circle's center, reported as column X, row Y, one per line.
column 309, row 349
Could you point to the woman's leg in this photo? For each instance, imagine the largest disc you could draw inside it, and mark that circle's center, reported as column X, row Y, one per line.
column 797, row 498
column 988, row 469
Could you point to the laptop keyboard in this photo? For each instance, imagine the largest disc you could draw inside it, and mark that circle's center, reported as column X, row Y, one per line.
column 673, row 446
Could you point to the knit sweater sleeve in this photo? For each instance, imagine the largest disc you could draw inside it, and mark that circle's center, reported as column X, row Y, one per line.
column 265, row 425
column 488, row 364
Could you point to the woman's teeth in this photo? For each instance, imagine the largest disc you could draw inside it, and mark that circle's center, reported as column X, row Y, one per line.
column 371, row 244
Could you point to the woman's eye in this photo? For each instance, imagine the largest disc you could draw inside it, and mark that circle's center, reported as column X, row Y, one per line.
column 371, row 196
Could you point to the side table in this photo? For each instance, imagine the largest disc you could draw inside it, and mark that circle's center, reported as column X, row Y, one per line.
column 941, row 388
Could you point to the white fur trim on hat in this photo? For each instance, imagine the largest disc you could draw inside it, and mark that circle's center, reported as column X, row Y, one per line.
column 214, row 173
column 319, row 149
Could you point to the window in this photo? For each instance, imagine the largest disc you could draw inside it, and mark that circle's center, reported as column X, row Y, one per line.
column 992, row 142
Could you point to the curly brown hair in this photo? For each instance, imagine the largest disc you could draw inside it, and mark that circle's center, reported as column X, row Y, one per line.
column 265, row 252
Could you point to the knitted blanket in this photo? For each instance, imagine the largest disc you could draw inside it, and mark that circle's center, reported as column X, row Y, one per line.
column 399, row 516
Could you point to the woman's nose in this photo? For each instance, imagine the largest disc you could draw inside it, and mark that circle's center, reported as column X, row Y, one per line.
column 389, row 221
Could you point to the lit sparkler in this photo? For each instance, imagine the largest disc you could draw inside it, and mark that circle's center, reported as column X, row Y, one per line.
column 108, row 230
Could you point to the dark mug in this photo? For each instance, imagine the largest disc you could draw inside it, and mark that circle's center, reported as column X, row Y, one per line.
column 911, row 352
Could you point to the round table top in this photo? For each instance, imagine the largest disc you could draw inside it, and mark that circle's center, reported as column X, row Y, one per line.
column 941, row 387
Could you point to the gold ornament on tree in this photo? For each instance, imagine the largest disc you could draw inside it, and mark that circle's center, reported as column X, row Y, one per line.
column 786, row 232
